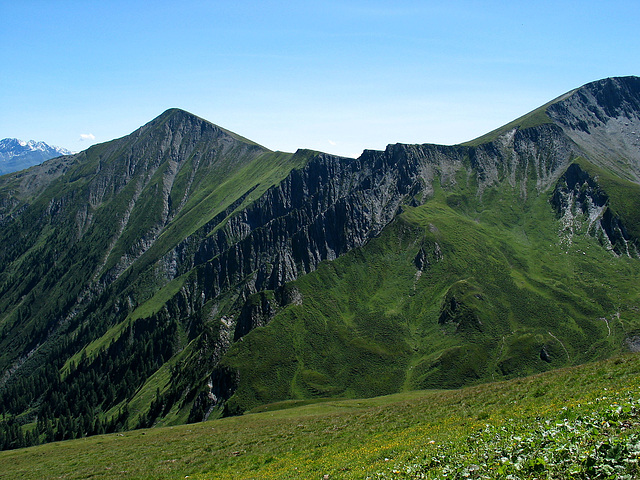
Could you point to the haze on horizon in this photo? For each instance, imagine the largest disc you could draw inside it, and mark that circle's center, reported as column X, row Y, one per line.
column 332, row 76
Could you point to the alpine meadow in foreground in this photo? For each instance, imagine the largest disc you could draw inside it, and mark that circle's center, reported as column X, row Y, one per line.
column 578, row 422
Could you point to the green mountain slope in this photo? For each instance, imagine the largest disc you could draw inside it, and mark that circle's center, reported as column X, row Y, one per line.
column 118, row 205
column 444, row 297
column 183, row 272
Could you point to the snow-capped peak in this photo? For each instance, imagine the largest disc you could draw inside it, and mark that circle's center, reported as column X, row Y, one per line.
column 17, row 154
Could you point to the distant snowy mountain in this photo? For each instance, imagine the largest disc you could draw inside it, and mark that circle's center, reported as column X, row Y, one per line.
column 17, row 154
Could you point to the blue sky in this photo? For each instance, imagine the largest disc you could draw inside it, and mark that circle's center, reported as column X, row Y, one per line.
column 336, row 76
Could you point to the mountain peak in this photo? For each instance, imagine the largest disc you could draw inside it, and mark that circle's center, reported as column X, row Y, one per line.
column 603, row 118
column 177, row 119
column 178, row 113
column 609, row 97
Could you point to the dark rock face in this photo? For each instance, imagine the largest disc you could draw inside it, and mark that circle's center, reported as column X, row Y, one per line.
column 601, row 101
column 336, row 204
column 256, row 312
column 587, row 193
column 544, row 355
column 317, row 213
column 583, row 207
column 539, row 153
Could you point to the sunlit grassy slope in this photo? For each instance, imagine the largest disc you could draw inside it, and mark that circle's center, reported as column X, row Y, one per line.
column 458, row 291
column 534, row 118
column 589, row 414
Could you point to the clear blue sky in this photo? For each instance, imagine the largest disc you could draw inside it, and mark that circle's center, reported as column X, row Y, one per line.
column 336, row 76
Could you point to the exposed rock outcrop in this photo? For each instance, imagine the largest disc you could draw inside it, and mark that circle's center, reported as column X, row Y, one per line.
column 603, row 118
column 582, row 207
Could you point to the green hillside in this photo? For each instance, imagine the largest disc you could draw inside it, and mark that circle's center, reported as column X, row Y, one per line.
column 456, row 291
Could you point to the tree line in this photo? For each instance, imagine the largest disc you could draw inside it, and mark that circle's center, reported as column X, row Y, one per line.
column 50, row 407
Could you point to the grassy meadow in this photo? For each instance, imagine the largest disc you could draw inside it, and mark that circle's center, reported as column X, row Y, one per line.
column 578, row 422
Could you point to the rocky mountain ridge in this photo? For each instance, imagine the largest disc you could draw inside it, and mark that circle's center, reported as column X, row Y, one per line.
column 179, row 250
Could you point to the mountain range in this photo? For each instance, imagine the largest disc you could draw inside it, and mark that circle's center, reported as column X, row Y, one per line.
column 184, row 272
column 17, row 154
